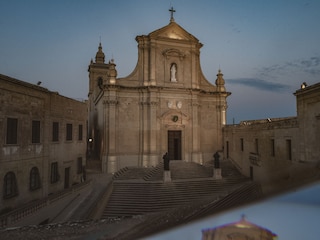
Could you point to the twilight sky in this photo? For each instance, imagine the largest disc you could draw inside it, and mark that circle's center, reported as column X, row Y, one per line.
column 265, row 49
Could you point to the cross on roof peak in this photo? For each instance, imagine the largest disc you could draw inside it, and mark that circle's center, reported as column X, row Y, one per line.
column 172, row 11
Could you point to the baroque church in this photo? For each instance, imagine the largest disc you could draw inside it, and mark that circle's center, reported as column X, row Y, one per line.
column 165, row 105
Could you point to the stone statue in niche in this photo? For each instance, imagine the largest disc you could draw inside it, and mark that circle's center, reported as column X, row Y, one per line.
column 173, row 72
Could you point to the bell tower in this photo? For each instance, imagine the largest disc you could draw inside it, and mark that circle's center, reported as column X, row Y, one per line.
column 102, row 76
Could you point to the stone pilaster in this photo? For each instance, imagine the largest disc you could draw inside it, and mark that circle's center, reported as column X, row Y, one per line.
column 110, row 132
column 196, row 154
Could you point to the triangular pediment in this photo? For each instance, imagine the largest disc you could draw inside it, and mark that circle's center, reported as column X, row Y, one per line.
column 173, row 31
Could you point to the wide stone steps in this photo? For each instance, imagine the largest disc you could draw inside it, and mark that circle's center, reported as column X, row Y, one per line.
column 137, row 198
column 179, row 170
column 245, row 193
column 138, row 191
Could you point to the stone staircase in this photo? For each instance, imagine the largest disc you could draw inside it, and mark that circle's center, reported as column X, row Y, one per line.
column 153, row 223
column 139, row 191
column 179, row 170
column 137, row 198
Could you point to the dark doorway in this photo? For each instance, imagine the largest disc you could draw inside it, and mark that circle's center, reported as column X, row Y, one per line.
column 66, row 177
column 174, row 145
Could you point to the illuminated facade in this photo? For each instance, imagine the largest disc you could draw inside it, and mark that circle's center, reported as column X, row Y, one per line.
column 165, row 105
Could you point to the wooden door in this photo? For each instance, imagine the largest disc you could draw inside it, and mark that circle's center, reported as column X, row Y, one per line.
column 174, row 145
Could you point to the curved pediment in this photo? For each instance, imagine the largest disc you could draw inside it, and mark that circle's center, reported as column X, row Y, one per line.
column 174, row 117
column 173, row 52
column 173, row 31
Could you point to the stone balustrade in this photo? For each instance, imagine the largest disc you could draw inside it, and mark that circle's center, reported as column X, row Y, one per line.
column 18, row 214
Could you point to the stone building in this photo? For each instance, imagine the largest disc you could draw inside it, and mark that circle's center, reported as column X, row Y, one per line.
column 241, row 230
column 165, row 105
column 43, row 142
column 279, row 150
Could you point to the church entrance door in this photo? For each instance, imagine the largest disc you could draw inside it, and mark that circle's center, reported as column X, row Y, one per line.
column 174, row 145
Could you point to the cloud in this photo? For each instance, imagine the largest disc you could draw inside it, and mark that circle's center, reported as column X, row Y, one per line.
column 260, row 84
column 310, row 66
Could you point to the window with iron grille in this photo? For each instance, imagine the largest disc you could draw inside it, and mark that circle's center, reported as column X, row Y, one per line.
column 241, row 144
column 54, row 172
column 10, row 188
column 80, row 136
column 272, row 146
column 34, row 179
column 12, row 131
column 69, row 132
column 55, row 132
column 35, row 131
column 289, row 149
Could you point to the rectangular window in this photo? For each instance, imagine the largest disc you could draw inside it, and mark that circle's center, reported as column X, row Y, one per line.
column 55, row 132
column 272, row 147
column 80, row 165
column 54, row 172
column 241, row 144
column 289, row 149
column 69, row 132
column 80, row 133
column 227, row 146
column 12, row 131
column 256, row 143
column 35, row 131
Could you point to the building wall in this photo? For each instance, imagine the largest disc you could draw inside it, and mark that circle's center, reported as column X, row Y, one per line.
column 278, row 150
column 261, row 148
column 27, row 103
column 308, row 109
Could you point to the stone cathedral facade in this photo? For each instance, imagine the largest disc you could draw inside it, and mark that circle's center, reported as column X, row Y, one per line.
column 165, row 105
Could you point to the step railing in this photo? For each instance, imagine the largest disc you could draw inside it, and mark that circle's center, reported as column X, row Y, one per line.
column 33, row 207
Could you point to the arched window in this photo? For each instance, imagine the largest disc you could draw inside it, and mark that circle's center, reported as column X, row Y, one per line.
column 10, row 188
column 34, row 179
column 173, row 72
